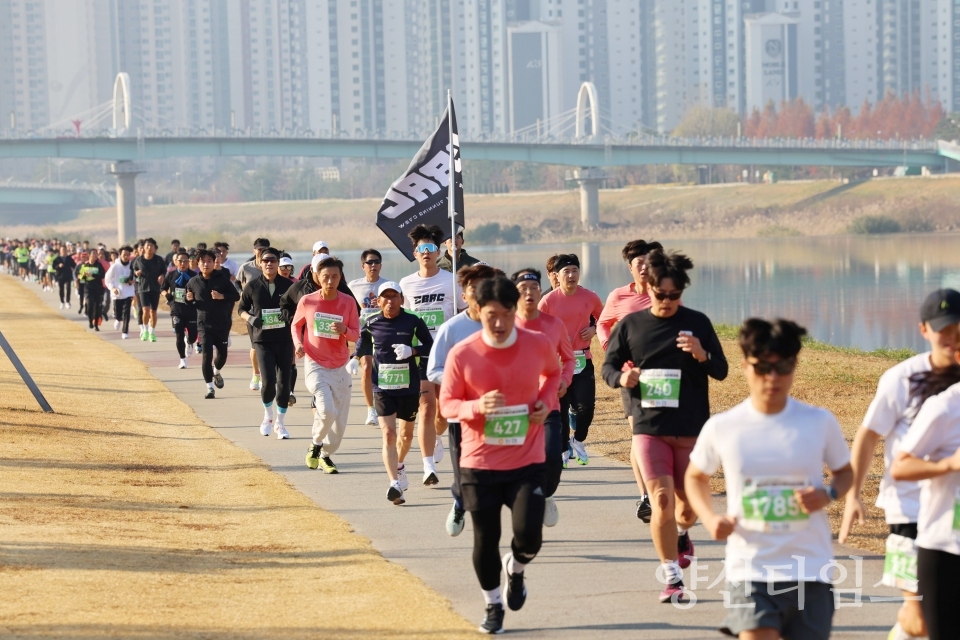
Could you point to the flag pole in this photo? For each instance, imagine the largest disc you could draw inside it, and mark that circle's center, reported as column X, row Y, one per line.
column 451, row 201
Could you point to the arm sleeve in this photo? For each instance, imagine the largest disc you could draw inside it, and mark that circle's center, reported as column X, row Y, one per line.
column 567, row 359
column 287, row 306
column 550, row 384
column 453, row 390
column 230, row 293
column 352, row 320
column 246, row 301
column 365, row 343
column 618, row 352
column 438, row 352
column 296, row 325
column 716, row 365
column 704, row 455
column 597, row 307
column 921, row 440
column 606, row 321
column 110, row 278
column 425, row 339
column 884, row 410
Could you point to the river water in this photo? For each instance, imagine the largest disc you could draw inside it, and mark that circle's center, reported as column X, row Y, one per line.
column 847, row 290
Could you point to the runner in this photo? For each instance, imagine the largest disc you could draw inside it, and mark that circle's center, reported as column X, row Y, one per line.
column 428, row 294
column 286, row 267
column 930, row 453
column 463, row 258
column 674, row 350
column 576, row 306
column 393, row 339
column 499, row 384
column 531, row 318
column 222, row 249
column 91, row 274
column 323, row 324
column 622, row 301
column 150, row 270
column 183, row 315
column 450, row 333
column 174, row 250
column 22, row 254
column 80, row 260
column 773, row 450
column 270, row 332
column 63, row 266
column 120, row 282
column 365, row 291
column 48, row 270
column 250, row 270
column 213, row 296
column 318, row 247
column 889, row 417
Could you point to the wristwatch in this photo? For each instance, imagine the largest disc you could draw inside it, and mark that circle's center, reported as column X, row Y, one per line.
column 831, row 492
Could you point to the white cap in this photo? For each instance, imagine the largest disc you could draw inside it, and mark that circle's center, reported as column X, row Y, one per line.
column 317, row 259
column 320, row 244
column 286, row 262
column 389, row 286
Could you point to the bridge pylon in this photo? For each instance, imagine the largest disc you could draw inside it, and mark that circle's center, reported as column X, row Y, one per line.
column 126, row 173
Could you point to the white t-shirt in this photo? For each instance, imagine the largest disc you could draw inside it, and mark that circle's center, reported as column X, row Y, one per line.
column 366, row 294
column 935, row 435
column 889, row 415
column 434, row 293
column 231, row 265
column 749, row 445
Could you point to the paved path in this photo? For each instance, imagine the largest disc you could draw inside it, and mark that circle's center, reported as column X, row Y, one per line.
column 595, row 574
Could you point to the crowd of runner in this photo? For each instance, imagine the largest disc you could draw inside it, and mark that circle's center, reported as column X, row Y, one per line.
column 505, row 366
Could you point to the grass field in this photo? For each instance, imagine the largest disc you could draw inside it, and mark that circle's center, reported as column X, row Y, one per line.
column 821, row 207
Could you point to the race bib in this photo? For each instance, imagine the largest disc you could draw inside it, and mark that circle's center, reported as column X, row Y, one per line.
column 392, row 377
column 660, row 388
column 507, row 426
column 581, row 361
column 323, row 325
column 271, row 319
column 900, row 563
column 180, row 295
column 432, row 316
column 769, row 505
column 956, row 513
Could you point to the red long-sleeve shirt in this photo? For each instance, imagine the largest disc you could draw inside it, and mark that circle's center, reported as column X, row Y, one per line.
column 621, row 302
column 574, row 311
column 526, row 372
column 556, row 333
column 329, row 353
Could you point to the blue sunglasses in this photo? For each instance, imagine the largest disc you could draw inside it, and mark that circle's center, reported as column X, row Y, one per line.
column 426, row 247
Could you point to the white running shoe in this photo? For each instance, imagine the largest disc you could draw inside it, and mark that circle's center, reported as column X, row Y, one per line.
column 255, row 383
column 438, row 451
column 183, row 363
column 402, row 478
column 455, row 522
column 550, row 513
column 282, row 433
column 116, row 325
column 196, row 348
column 579, row 451
column 61, row 305
column 266, row 427
column 68, row 305
column 124, row 336
column 371, row 417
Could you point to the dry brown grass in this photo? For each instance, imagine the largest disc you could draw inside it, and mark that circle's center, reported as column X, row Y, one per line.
column 843, row 383
column 123, row 515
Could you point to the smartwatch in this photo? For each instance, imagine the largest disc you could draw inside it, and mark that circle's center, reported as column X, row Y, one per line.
column 831, row 492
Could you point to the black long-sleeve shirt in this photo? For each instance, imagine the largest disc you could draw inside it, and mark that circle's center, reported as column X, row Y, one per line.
column 213, row 315
column 377, row 338
column 150, row 272
column 256, row 297
column 651, row 343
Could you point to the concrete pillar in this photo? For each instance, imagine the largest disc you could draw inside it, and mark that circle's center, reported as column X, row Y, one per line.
column 126, row 173
column 590, row 204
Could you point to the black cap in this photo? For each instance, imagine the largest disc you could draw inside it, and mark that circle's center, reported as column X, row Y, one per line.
column 941, row 309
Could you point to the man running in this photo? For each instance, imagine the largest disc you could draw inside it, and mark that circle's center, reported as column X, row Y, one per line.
column 120, row 282
column 889, row 417
column 22, row 254
column 498, row 384
column 323, row 324
column 319, row 247
column 773, row 450
column 174, row 250
column 270, row 332
column 393, row 339
column 183, row 315
column 429, row 294
column 222, row 249
column 674, row 351
column 213, row 296
column 63, row 266
column 575, row 306
column 91, row 274
column 463, row 258
column 250, row 270
column 621, row 302
column 365, row 291
column 150, row 270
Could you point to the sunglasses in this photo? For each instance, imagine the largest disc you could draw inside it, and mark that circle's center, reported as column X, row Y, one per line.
column 286, row 266
column 782, row 367
column 426, row 247
column 371, row 263
column 673, row 295
column 268, row 260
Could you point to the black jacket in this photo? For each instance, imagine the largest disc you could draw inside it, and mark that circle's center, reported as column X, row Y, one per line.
column 150, row 271
column 213, row 315
column 170, row 287
column 64, row 267
column 255, row 298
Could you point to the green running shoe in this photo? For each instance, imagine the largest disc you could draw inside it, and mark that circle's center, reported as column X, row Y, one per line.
column 313, row 456
column 327, row 465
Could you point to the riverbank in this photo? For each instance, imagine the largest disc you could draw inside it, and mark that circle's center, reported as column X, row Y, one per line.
column 124, row 515
column 821, row 207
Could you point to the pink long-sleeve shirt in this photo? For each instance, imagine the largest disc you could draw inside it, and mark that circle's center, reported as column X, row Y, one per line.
column 556, row 333
column 574, row 311
column 329, row 353
column 622, row 301
column 526, row 372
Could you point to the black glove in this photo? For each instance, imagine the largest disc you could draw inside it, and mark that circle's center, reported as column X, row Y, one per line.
column 254, row 321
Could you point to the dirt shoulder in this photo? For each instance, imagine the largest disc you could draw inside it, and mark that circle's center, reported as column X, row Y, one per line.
column 123, row 515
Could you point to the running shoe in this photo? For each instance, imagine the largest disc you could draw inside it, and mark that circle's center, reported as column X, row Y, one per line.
column 143, row 336
column 197, row 349
column 430, row 478
column 292, row 400
column 455, row 521
column 282, row 433
column 266, row 427
column 438, row 450
column 395, row 493
column 210, row 395
column 61, row 305
column 255, row 383
column 68, row 305
column 516, row 591
column 371, row 417
column 644, row 510
column 550, row 513
column 153, row 337
column 124, row 336
column 685, row 549
column 96, row 327
column 327, row 465
column 116, row 325
column 672, row 592
column 402, row 477
column 566, row 459
column 579, row 451
column 313, row 456
column 218, row 380
column 492, row 620
column 183, row 363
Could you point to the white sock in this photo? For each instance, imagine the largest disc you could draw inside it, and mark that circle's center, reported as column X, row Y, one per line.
column 671, row 572
column 428, row 466
column 268, row 412
column 514, row 565
column 281, row 417
column 681, row 530
column 151, row 330
column 216, row 371
column 493, row 596
column 210, row 386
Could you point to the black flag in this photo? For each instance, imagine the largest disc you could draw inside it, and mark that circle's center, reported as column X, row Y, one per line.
column 420, row 196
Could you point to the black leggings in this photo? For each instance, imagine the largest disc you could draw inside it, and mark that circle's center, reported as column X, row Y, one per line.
column 293, row 376
column 453, row 450
column 552, row 442
column 64, row 288
column 81, row 295
column 183, row 326
column 121, row 312
column 212, row 341
column 275, row 360
column 94, row 306
column 582, row 396
column 939, row 589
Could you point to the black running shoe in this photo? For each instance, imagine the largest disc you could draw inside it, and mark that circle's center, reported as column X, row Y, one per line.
column 210, row 395
column 644, row 510
column 292, row 401
column 516, row 590
column 493, row 619
column 218, row 380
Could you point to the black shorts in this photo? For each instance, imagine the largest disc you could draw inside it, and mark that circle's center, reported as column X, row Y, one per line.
column 183, row 320
column 214, row 337
column 779, row 609
column 907, row 530
column 404, row 407
column 149, row 299
column 485, row 489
